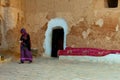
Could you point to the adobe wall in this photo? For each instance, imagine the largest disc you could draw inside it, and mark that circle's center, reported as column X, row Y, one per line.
column 0, row 34
column 0, row 24
column 90, row 22
column 11, row 16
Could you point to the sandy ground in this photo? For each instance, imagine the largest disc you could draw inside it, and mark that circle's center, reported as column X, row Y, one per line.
column 45, row 68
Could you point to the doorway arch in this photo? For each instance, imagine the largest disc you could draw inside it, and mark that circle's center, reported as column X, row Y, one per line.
column 53, row 24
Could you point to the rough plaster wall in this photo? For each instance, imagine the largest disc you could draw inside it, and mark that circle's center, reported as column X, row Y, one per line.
column 12, row 19
column 99, row 29
column 90, row 23
column 37, row 19
column 38, row 15
column 0, row 25
column 0, row 34
column 107, row 34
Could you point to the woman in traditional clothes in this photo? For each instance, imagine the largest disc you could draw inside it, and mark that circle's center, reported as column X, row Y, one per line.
column 25, row 47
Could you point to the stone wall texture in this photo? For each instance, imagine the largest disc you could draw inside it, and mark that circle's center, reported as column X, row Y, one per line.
column 90, row 22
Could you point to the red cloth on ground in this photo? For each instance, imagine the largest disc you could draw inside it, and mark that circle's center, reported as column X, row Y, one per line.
column 69, row 51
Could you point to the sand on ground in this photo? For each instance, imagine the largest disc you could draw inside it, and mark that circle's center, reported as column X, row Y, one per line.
column 47, row 68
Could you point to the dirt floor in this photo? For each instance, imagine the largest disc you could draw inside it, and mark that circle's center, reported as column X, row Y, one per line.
column 47, row 68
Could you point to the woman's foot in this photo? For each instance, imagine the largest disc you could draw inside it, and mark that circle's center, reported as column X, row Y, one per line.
column 21, row 62
column 30, row 61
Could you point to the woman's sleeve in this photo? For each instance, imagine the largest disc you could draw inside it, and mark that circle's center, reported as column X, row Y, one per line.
column 29, row 42
column 21, row 38
column 28, row 37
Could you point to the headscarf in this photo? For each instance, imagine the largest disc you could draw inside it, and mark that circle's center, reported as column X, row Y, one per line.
column 23, row 31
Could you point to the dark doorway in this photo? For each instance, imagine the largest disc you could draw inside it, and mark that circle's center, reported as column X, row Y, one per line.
column 57, row 41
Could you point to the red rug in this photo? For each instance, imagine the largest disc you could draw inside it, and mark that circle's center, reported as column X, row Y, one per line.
column 69, row 51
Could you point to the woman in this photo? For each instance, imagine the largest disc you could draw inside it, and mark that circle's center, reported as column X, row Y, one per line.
column 25, row 47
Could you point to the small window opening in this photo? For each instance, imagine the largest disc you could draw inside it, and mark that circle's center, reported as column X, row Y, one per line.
column 112, row 3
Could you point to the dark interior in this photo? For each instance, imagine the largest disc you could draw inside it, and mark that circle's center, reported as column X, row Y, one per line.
column 57, row 41
column 112, row 3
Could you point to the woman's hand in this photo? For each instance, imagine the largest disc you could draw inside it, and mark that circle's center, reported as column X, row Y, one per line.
column 20, row 41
